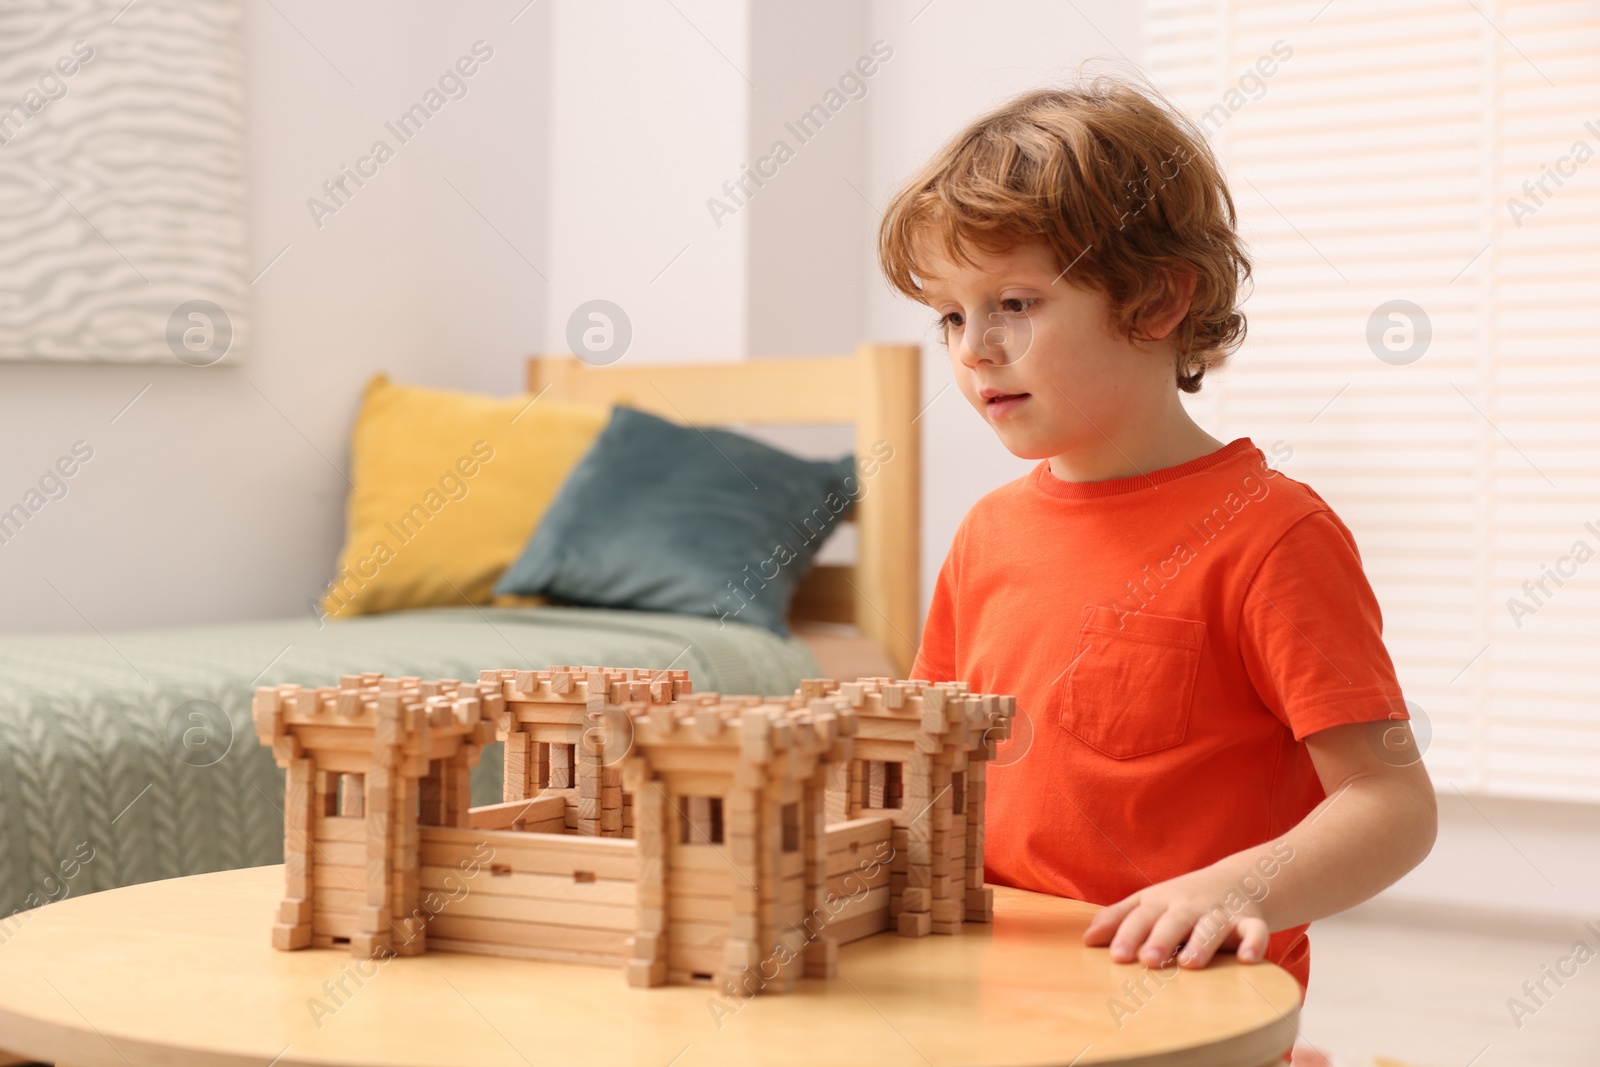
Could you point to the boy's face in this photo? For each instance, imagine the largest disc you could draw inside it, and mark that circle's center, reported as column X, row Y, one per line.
column 1038, row 357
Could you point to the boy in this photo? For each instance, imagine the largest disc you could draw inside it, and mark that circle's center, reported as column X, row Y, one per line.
column 1219, row 747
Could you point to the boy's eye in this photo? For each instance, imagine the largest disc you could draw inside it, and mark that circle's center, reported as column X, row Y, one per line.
column 953, row 318
column 1017, row 305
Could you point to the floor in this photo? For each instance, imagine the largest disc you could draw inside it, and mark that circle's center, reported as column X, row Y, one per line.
column 1409, row 990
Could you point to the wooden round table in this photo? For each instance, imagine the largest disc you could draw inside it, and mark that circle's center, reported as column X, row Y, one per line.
column 180, row 973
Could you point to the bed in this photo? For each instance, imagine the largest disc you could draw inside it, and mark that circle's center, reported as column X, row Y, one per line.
column 127, row 757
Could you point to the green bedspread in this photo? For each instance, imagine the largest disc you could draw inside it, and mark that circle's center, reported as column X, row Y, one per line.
column 131, row 756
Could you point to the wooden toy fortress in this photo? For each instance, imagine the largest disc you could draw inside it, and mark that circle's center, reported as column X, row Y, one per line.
column 679, row 836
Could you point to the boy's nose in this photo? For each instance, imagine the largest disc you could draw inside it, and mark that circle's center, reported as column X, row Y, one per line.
column 973, row 350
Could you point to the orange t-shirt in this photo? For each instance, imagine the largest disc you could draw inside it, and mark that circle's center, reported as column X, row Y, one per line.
column 1170, row 639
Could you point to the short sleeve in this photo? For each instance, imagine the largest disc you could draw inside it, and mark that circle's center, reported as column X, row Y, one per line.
column 1311, row 633
column 936, row 655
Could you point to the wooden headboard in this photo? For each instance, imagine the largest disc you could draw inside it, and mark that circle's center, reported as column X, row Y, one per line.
column 877, row 390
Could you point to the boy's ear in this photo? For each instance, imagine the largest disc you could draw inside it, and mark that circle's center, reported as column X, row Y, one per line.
column 1161, row 319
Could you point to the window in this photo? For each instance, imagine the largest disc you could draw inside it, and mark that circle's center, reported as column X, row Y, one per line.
column 700, row 821
column 882, row 784
column 539, row 758
column 563, row 769
column 791, row 827
column 1440, row 155
column 347, row 796
column 958, row 793
column 430, row 795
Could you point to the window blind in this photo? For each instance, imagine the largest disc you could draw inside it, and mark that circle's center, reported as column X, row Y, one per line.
column 1444, row 154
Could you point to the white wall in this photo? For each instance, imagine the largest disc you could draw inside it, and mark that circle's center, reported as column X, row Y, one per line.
column 808, row 282
column 219, row 493
column 1528, row 858
column 648, row 112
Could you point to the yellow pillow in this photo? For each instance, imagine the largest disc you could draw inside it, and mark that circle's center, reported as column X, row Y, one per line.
column 448, row 488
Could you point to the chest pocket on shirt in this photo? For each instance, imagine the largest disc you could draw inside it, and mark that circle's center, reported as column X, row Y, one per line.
column 1127, row 690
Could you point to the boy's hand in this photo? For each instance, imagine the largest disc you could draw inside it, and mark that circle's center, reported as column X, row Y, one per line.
column 1204, row 908
column 1376, row 822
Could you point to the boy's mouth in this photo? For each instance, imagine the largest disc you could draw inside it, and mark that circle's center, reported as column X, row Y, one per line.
column 998, row 404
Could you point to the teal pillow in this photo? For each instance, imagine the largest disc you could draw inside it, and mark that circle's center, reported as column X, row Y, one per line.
column 663, row 517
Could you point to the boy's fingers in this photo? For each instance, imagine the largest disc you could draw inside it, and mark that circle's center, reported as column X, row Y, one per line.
column 1106, row 921
column 1253, row 934
column 1202, row 946
column 1162, row 942
column 1131, row 934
